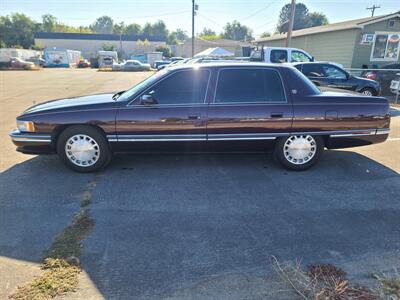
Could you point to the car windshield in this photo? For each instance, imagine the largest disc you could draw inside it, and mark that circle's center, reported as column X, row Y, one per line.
column 141, row 85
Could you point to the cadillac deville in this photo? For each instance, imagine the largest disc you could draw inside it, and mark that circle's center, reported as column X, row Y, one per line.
column 207, row 107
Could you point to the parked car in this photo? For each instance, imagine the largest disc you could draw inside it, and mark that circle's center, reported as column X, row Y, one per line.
column 159, row 63
column 280, row 55
column 331, row 75
column 38, row 61
column 215, row 106
column 383, row 76
column 394, row 85
column 84, row 63
column 132, row 65
column 18, row 63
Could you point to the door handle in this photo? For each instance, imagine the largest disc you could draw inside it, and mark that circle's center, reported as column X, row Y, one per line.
column 277, row 115
column 194, row 117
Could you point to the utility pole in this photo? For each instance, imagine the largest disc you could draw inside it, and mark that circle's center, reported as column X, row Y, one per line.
column 195, row 7
column 372, row 9
column 291, row 20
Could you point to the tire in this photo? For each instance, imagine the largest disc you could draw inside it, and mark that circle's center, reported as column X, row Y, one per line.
column 288, row 154
column 368, row 92
column 83, row 148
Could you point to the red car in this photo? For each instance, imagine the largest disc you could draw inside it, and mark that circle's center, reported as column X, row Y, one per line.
column 84, row 63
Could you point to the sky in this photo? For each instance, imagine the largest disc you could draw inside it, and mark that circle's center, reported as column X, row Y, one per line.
column 259, row 15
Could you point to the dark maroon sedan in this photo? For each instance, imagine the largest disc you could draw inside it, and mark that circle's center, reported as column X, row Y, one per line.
column 212, row 107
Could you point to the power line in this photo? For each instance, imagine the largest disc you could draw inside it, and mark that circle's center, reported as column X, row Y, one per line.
column 257, row 12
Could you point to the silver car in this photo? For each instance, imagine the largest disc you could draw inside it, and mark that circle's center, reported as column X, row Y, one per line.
column 135, row 65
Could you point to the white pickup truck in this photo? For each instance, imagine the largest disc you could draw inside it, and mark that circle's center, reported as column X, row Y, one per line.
column 280, row 55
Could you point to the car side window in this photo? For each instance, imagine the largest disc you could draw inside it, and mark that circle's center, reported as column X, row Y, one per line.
column 182, row 87
column 249, row 85
column 278, row 56
column 312, row 70
column 298, row 56
column 334, row 72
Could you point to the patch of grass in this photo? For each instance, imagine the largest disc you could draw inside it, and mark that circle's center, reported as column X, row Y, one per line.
column 59, row 278
column 86, row 199
column 68, row 242
column 321, row 282
column 389, row 286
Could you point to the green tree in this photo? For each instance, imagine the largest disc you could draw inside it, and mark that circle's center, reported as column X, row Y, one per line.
column 133, row 29
column 17, row 29
column 119, row 28
column 265, row 34
column 180, row 34
column 317, row 19
column 108, row 47
column 103, row 24
column 49, row 23
column 207, row 31
column 165, row 50
column 156, row 29
column 237, row 31
column 302, row 18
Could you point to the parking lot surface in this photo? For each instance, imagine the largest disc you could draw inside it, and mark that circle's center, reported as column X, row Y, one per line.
column 179, row 226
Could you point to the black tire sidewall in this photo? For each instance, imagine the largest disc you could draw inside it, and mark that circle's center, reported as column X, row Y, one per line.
column 280, row 157
column 94, row 133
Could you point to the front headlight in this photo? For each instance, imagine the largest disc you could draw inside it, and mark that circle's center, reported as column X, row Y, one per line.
column 25, row 126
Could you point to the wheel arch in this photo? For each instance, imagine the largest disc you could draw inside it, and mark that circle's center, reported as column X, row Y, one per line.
column 60, row 128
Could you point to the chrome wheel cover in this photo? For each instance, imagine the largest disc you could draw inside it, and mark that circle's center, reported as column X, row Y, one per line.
column 299, row 149
column 82, row 150
column 367, row 93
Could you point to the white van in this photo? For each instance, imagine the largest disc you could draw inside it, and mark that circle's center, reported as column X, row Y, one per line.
column 280, row 55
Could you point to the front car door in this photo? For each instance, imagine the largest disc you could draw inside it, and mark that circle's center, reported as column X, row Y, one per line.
column 250, row 104
column 337, row 78
column 178, row 113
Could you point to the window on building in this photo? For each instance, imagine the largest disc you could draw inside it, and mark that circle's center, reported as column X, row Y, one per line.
column 386, row 47
column 391, row 23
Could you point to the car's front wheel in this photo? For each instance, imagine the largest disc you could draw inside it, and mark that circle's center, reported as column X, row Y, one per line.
column 83, row 148
column 368, row 92
column 299, row 152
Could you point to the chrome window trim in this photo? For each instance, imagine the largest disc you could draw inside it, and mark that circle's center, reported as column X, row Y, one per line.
column 251, row 103
column 130, row 105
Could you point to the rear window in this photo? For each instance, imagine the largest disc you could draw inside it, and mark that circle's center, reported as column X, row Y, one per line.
column 249, row 85
column 278, row 56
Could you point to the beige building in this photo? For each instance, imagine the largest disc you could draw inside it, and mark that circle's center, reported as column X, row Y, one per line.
column 367, row 42
column 237, row 47
column 90, row 44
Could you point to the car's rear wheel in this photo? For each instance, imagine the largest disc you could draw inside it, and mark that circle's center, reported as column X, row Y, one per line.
column 368, row 92
column 83, row 148
column 299, row 152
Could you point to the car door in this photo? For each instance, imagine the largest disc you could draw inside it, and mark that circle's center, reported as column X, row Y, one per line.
column 314, row 72
column 172, row 109
column 249, row 104
column 338, row 78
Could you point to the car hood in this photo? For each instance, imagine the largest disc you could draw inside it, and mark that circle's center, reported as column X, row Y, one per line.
column 66, row 103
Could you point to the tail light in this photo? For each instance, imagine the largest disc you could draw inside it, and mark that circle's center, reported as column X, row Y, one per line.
column 371, row 76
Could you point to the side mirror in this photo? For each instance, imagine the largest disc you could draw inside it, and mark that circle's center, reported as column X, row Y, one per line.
column 147, row 100
column 349, row 76
column 312, row 59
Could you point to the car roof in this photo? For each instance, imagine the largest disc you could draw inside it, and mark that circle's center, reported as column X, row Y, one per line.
column 235, row 64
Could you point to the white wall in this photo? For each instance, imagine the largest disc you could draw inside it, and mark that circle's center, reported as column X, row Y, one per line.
column 89, row 48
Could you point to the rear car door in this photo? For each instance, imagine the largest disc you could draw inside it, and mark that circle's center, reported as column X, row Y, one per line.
column 249, row 104
column 314, row 72
column 178, row 113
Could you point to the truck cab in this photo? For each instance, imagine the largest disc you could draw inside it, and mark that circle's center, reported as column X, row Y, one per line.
column 280, row 55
